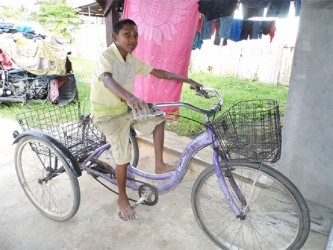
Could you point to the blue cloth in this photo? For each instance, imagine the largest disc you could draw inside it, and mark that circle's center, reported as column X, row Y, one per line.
column 225, row 26
column 26, row 29
column 256, row 30
column 197, row 41
column 206, row 29
column 236, row 30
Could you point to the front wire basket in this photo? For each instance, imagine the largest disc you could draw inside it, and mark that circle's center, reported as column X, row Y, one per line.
column 66, row 124
column 251, row 131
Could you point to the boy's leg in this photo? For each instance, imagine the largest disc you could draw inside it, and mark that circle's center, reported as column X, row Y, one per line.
column 116, row 131
column 158, row 137
column 125, row 209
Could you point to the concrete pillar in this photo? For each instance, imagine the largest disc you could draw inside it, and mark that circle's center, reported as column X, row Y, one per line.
column 307, row 146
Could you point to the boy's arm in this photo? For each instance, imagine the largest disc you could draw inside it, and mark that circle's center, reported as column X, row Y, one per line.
column 128, row 97
column 162, row 74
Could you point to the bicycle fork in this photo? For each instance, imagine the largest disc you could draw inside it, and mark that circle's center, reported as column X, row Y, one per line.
column 239, row 214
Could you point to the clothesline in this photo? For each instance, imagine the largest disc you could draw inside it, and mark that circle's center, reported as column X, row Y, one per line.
column 244, row 22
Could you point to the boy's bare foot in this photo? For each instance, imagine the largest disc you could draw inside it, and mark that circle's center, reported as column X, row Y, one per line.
column 126, row 212
column 164, row 168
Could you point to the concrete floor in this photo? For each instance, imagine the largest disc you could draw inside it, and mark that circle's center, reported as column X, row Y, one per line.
column 170, row 224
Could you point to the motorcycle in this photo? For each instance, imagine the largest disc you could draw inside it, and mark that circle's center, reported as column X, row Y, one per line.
column 24, row 83
column 19, row 85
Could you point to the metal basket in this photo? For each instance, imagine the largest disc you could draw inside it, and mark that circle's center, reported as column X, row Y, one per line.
column 66, row 124
column 251, row 131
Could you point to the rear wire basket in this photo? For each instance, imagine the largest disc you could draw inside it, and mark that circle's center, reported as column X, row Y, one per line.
column 251, row 131
column 68, row 125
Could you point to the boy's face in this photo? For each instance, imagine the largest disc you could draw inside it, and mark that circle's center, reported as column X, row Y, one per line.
column 127, row 39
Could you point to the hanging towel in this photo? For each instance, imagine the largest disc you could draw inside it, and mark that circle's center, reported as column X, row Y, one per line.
column 166, row 33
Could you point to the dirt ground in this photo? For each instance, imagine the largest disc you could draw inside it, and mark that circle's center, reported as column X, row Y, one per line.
column 170, row 224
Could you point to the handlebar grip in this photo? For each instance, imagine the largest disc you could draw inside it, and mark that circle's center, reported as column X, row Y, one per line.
column 143, row 114
column 201, row 92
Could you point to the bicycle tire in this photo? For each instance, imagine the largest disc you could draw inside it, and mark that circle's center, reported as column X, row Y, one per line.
column 46, row 178
column 277, row 215
column 134, row 150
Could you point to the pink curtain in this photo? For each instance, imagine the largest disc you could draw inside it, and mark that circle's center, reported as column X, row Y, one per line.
column 166, row 34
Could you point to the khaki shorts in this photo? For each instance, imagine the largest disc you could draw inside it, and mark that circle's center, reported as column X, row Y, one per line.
column 117, row 130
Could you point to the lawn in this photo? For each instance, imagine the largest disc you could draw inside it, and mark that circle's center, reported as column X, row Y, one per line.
column 232, row 89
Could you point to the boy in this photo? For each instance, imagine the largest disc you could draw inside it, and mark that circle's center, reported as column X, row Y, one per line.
column 111, row 94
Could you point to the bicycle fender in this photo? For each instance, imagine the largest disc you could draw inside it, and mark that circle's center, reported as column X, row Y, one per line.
column 61, row 149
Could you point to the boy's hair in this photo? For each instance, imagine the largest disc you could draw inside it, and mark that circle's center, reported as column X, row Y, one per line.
column 119, row 25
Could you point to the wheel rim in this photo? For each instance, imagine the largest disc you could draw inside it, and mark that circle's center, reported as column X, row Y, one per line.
column 271, row 216
column 46, row 180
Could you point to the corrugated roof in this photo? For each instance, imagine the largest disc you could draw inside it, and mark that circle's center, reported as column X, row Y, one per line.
column 93, row 9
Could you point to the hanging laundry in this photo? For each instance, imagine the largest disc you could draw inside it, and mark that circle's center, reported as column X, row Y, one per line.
column 272, row 31
column 217, row 39
column 297, row 4
column 214, row 9
column 268, row 28
column 225, row 27
column 197, row 41
column 166, row 33
column 207, row 29
column 249, row 11
column 278, row 8
column 256, row 30
column 236, row 30
column 256, row 4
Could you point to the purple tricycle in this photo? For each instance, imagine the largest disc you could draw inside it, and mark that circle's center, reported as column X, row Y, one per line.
column 239, row 202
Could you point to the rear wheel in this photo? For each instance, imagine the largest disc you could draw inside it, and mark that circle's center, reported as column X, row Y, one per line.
column 46, row 178
column 276, row 214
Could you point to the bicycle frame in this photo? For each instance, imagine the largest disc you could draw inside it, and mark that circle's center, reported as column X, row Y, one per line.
column 173, row 178
column 258, row 203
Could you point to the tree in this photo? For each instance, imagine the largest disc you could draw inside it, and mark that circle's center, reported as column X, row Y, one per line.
column 58, row 18
column 20, row 13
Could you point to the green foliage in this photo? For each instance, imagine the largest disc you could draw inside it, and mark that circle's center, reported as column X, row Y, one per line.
column 20, row 13
column 58, row 18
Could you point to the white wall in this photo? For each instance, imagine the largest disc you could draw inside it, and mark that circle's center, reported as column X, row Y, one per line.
column 89, row 41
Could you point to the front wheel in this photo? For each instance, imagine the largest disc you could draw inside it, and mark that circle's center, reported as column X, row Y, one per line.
column 46, row 178
column 276, row 214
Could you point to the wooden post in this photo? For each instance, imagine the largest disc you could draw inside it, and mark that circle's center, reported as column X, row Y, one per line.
column 111, row 17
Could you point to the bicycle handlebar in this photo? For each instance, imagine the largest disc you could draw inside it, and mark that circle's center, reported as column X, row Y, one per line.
column 203, row 92
column 152, row 109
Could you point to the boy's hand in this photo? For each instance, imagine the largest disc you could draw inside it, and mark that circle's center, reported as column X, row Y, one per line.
column 139, row 108
column 195, row 85
column 136, row 103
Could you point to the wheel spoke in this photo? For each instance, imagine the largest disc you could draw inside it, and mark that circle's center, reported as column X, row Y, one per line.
column 275, row 213
column 47, row 179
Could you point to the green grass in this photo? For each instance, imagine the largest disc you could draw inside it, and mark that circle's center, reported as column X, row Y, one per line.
column 232, row 89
